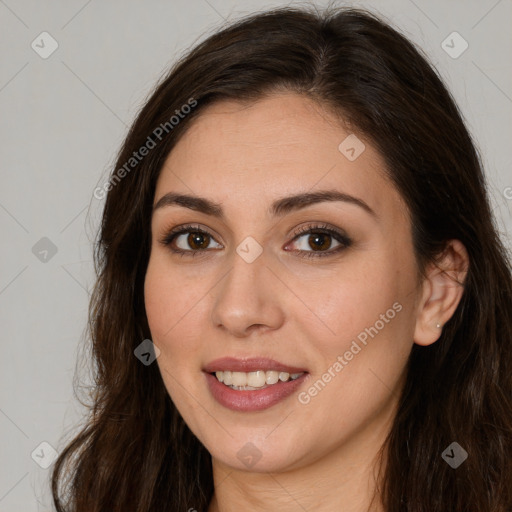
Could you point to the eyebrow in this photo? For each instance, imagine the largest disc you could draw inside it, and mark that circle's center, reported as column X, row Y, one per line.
column 278, row 208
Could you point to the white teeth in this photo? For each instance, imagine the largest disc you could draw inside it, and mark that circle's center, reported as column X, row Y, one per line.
column 272, row 377
column 254, row 380
column 239, row 379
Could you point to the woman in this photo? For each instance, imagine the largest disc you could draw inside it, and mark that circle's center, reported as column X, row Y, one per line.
column 302, row 299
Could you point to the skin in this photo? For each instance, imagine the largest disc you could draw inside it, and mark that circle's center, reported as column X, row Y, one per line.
column 303, row 312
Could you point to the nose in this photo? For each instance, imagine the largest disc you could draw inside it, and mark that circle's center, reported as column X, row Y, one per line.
column 248, row 298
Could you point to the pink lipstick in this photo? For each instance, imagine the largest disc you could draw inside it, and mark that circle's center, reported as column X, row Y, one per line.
column 231, row 382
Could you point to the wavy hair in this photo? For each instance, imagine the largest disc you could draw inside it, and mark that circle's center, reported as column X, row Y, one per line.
column 134, row 451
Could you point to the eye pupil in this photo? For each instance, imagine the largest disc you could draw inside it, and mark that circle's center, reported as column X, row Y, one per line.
column 321, row 241
column 197, row 240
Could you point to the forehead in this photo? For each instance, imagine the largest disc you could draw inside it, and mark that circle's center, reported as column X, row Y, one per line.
column 282, row 144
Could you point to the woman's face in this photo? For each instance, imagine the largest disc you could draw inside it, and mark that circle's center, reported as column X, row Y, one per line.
column 324, row 288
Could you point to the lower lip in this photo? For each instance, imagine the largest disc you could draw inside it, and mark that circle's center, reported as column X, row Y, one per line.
column 252, row 400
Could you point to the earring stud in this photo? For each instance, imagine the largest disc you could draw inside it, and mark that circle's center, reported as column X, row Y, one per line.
column 438, row 326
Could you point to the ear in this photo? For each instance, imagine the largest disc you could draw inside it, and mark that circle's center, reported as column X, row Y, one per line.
column 442, row 290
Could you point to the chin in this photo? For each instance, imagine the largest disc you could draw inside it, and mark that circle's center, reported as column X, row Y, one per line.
column 257, row 454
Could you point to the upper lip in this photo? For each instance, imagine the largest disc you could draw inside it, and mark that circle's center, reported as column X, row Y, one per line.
column 250, row 365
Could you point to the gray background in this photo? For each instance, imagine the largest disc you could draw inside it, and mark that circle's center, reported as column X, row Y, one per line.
column 62, row 121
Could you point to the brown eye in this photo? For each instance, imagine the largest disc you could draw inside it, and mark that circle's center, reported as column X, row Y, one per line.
column 190, row 240
column 317, row 241
column 197, row 240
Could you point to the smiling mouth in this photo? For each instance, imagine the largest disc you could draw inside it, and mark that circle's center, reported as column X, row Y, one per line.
column 250, row 381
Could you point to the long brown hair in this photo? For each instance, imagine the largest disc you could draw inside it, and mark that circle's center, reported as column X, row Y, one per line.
column 135, row 452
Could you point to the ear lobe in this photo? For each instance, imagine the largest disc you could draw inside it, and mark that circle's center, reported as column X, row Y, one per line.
column 442, row 291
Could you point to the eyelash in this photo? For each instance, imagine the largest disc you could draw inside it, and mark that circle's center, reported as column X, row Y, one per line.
column 324, row 229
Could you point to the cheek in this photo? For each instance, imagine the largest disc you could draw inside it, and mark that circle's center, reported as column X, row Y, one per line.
column 174, row 305
column 352, row 301
column 163, row 308
column 365, row 332
column 170, row 317
column 158, row 300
